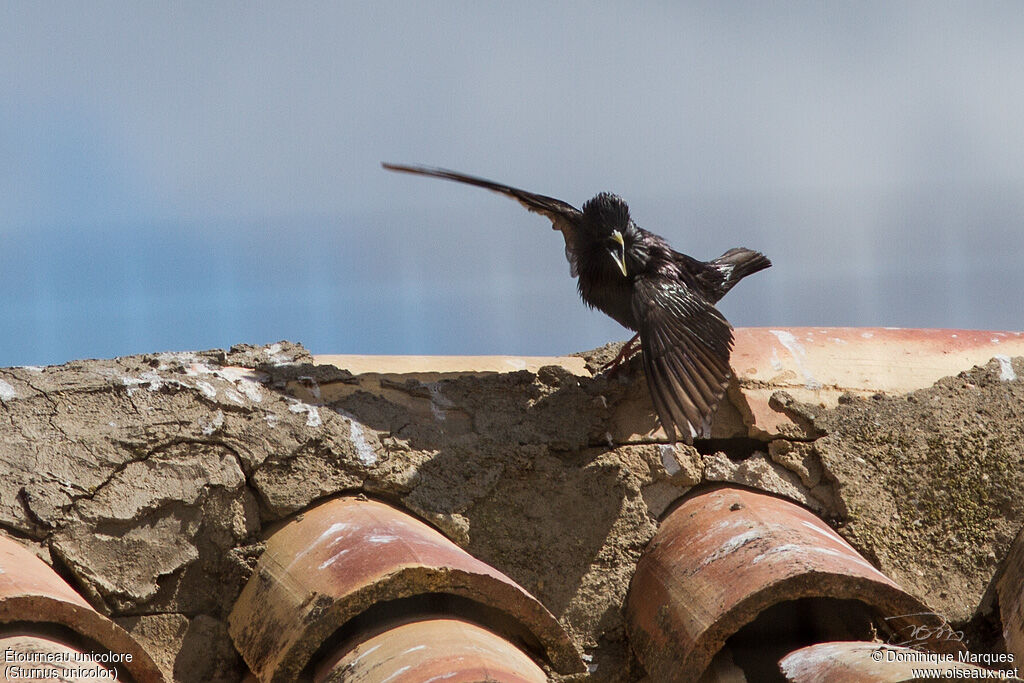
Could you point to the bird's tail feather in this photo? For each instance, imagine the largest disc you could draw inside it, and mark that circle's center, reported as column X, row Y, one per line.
column 738, row 263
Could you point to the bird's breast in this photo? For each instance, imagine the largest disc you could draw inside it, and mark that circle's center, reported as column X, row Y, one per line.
column 610, row 293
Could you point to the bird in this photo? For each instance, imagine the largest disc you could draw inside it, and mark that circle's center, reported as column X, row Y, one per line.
column 667, row 298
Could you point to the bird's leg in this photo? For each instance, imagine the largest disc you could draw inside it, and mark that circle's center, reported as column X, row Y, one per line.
column 625, row 354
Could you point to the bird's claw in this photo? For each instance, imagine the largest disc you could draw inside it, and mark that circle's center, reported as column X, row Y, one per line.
column 627, row 351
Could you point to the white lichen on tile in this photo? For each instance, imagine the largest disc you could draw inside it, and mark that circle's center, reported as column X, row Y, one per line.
column 796, row 350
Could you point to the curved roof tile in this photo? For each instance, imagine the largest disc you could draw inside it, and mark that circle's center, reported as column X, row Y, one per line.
column 437, row 648
column 336, row 560
column 861, row 662
column 724, row 556
column 31, row 592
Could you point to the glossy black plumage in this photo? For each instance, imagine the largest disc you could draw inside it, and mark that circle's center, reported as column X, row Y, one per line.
column 666, row 297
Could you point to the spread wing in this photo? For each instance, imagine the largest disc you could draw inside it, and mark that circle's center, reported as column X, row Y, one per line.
column 563, row 216
column 686, row 345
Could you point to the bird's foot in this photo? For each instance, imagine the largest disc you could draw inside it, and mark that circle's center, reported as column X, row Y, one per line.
column 627, row 351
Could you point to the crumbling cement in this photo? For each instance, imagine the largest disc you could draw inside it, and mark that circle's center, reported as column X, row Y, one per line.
column 929, row 483
column 149, row 482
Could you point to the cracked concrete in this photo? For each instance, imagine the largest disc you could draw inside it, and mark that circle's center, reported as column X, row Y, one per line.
column 928, row 485
column 150, row 481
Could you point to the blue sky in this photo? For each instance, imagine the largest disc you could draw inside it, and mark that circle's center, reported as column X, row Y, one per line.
column 195, row 175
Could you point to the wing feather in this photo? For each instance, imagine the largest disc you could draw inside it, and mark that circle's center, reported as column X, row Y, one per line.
column 563, row 216
column 686, row 344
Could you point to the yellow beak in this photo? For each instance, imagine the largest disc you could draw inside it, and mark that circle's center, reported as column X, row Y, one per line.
column 619, row 256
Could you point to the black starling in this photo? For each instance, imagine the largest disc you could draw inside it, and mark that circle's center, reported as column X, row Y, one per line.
column 666, row 297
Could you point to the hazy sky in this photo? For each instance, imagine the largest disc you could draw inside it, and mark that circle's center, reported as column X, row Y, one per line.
column 184, row 176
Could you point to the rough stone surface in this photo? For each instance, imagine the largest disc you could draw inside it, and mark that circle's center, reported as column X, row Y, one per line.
column 929, row 483
column 150, row 481
column 160, row 634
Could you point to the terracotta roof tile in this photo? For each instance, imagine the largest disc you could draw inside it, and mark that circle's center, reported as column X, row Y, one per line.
column 31, row 592
column 29, row 652
column 338, row 559
column 861, row 662
column 349, row 589
column 726, row 555
column 813, row 364
column 430, row 649
column 818, row 364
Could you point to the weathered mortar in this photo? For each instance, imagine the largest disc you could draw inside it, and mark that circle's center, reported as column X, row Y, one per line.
column 149, row 482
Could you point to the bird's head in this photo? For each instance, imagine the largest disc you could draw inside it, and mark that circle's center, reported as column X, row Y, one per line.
column 606, row 224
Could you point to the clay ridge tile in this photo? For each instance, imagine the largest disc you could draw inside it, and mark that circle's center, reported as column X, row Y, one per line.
column 339, row 559
column 863, row 662
column 724, row 556
column 435, row 647
column 31, row 592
